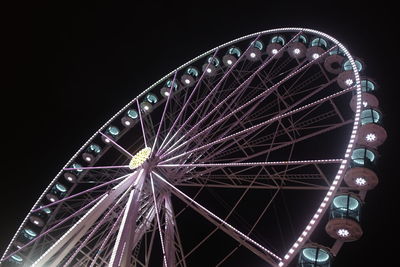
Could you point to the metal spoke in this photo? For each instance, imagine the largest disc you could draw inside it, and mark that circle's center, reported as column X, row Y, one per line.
column 120, row 148
column 183, row 108
column 261, row 124
column 97, row 168
column 163, row 114
column 238, row 89
column 242, row 164
column 141, row 122
column 246, row 241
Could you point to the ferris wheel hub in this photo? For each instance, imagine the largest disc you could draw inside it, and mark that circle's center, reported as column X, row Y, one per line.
column 139, row 158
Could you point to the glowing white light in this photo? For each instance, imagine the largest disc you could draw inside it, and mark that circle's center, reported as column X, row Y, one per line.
column 52, row 199
column 208, row 70
column 88, row 158
column 360, row 181
column 253, row 55
column 127, row 123
column 296, row 51
column 229, row 62
column 274, row 51
column 365, row 104
column 349, row 82
column 146, row 107
column 315, row 55
column 139, row 158
column 69, row 178
column 166, row 93
column 107, row 140
column 343, row 232
column 36, row 222
column 370, row 137
column 187, row 81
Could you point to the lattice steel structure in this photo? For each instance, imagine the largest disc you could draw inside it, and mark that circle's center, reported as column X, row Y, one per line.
column 251, row 139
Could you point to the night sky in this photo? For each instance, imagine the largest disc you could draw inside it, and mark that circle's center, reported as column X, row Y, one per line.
column 69, row 68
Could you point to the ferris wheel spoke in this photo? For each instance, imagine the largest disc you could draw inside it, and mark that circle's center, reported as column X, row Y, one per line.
column 242, row 164
column 240, row 119
column 258, row 97
column 117, row 146
column 304, row 186
column 226, row 217
column 141, row 122
column 243, row 239
column 164, row 111
column 183, row 108
column 280, row 146
column 206, row 99
column 261, row 124
column 278, row 179
column 97, row 168
column 234, row 92
column 266, row 140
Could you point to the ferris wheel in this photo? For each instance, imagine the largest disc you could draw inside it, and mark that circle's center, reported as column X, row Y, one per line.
column 244, row 152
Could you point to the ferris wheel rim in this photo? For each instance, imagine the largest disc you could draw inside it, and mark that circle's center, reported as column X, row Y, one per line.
column 339, row 176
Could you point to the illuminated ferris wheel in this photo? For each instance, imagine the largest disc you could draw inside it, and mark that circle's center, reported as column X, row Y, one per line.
column 245, row 152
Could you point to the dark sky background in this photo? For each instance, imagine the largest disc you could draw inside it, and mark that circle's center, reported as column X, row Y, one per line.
column 69, row 68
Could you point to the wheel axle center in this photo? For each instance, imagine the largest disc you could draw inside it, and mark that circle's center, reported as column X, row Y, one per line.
column 139, row 158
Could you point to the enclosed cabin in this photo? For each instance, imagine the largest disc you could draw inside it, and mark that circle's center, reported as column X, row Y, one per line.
column 334, row 61
column 346, row 79
column 190, row 76
column 254, row 52
column 358, row 62
column 147, row 104
column 368, row 99
column 275, row 45
column 57, row 192
column 371, row 133
column 314, row 255
column 231, row 56
column 166, row 90
column 344, row 218
column 210, row 66
column 91, row 152
column 39, row 217
column 130, row 117
column 317, row 47
column 111, row 133
column 16, row 260
column 28, row 234
column 361, row 174
column 298, row 48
